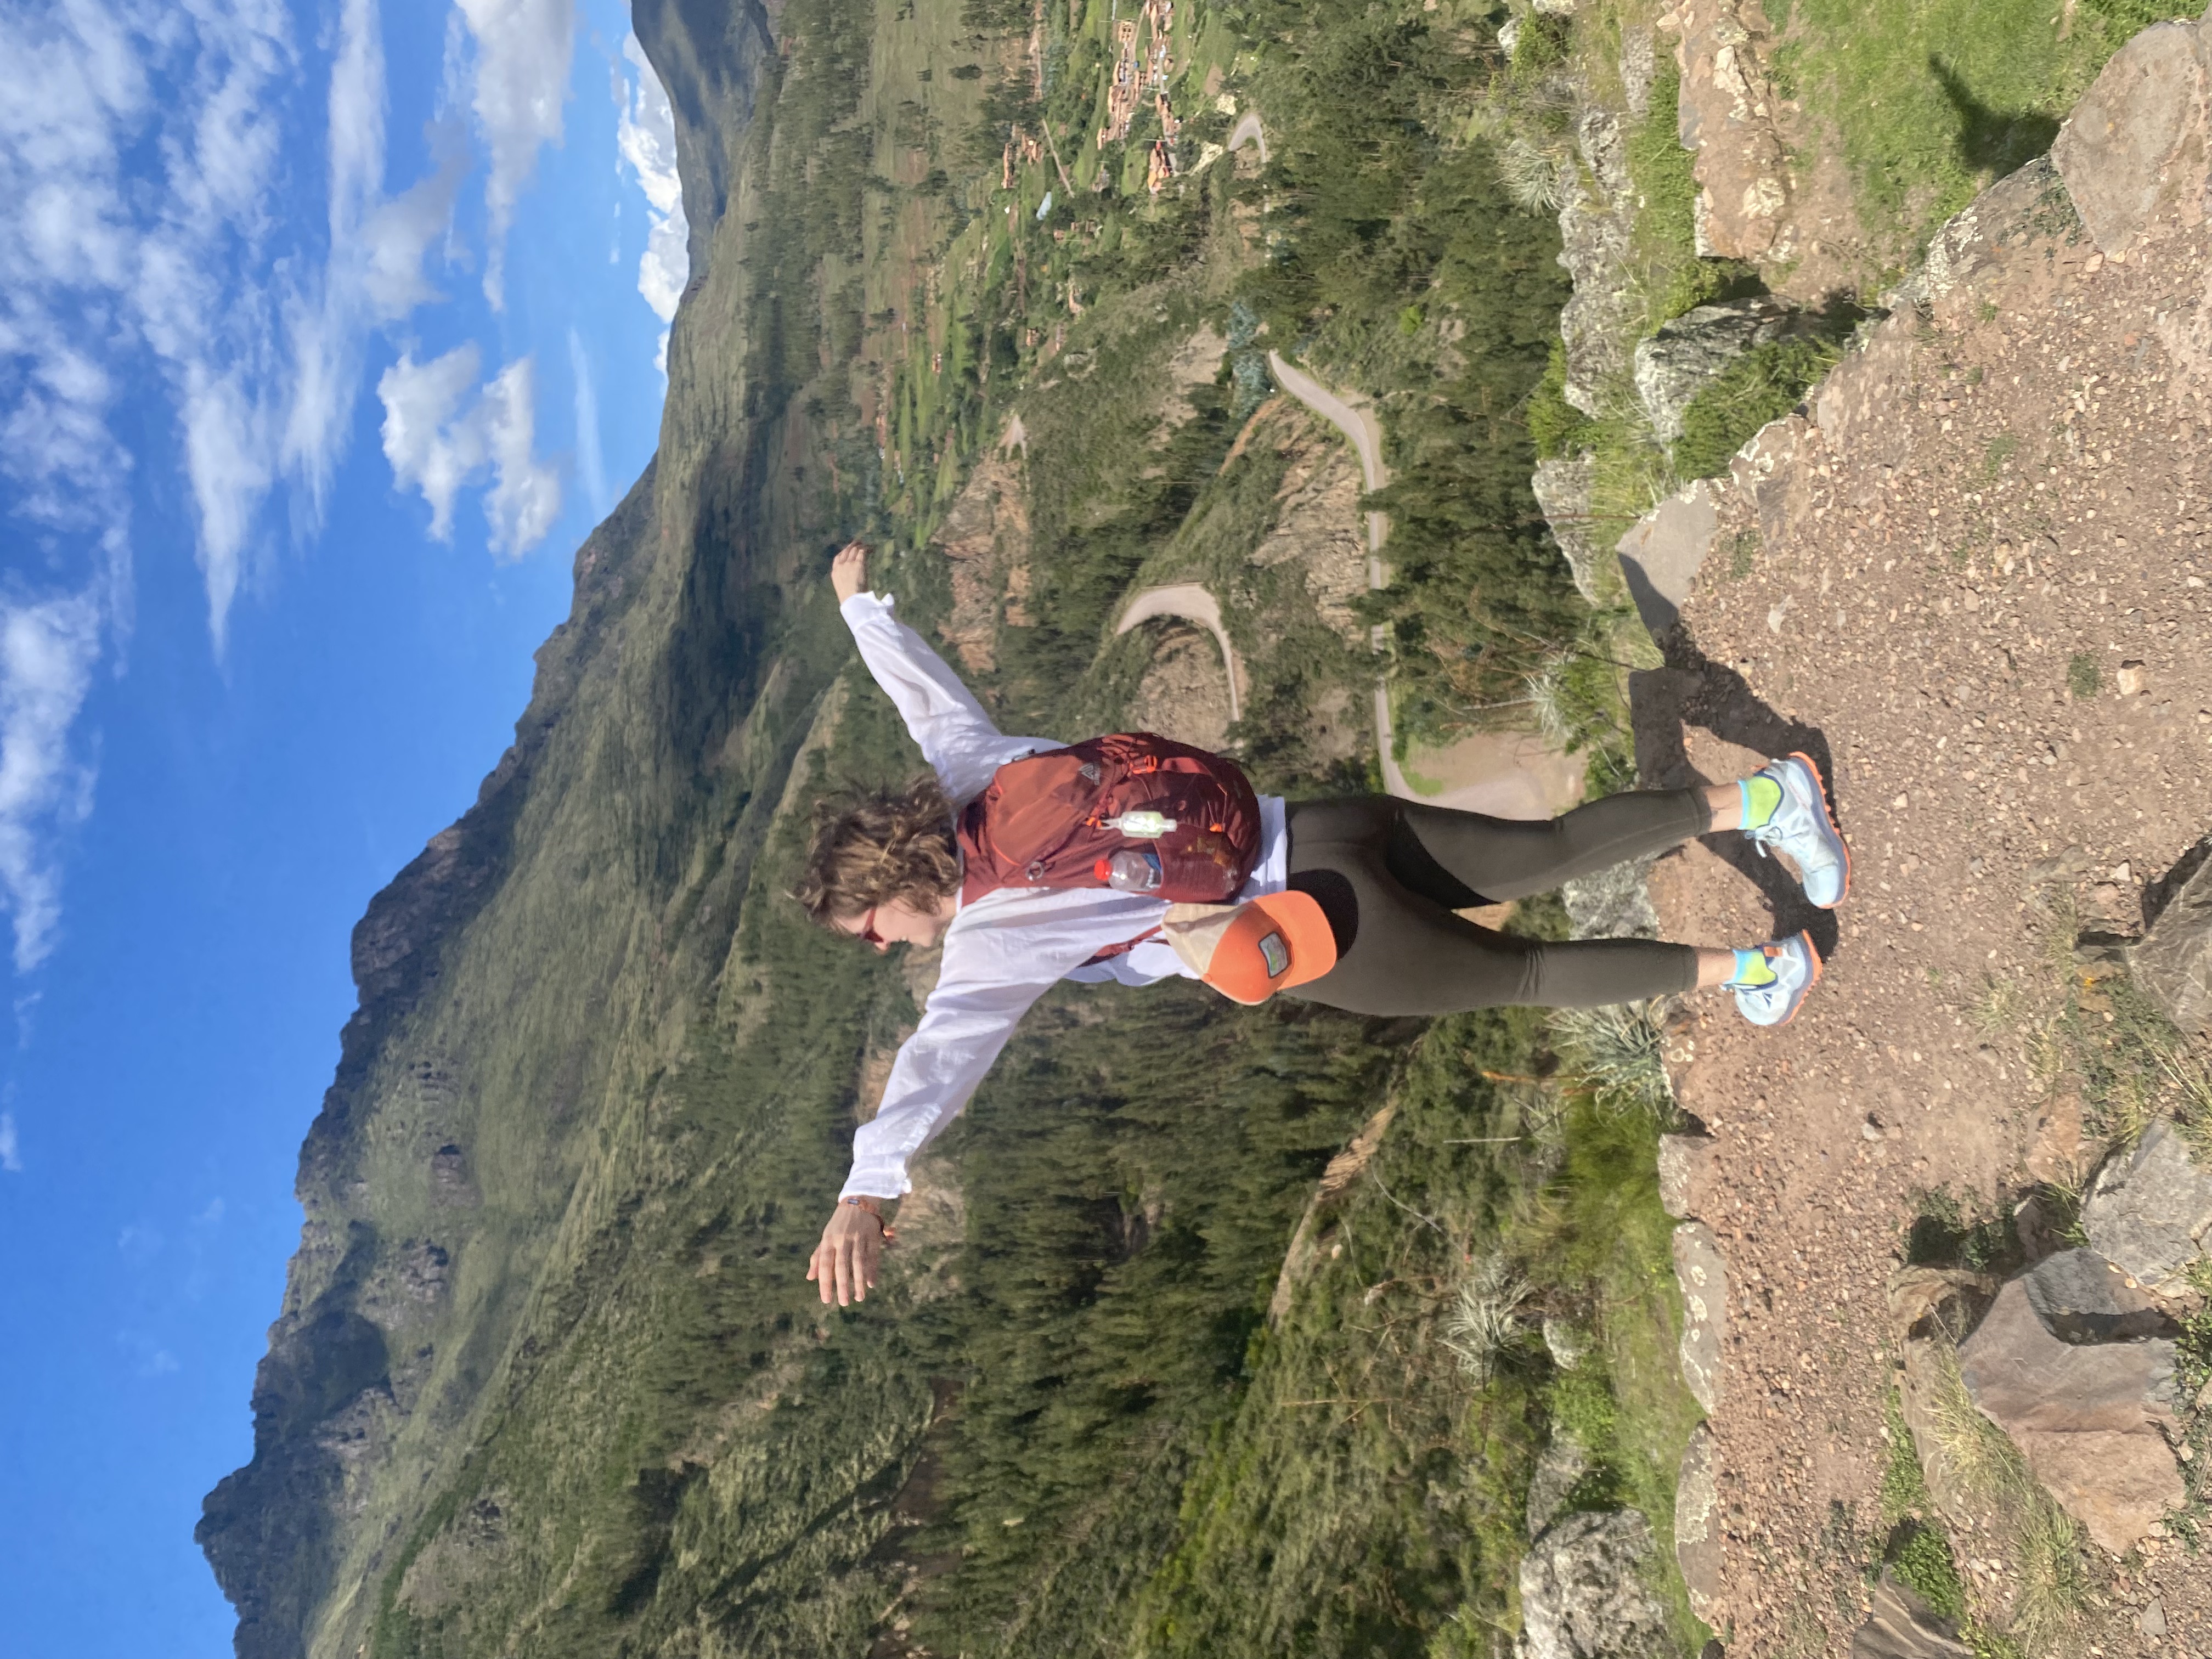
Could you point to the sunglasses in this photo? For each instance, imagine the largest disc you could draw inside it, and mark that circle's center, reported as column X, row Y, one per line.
column 868, row 935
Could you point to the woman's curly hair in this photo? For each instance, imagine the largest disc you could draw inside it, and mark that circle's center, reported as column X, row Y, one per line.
column 878, row 847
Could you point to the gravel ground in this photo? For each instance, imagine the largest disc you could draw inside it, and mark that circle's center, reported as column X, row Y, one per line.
column 1918, row 598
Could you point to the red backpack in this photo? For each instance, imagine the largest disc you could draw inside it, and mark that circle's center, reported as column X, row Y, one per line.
column 1054, row 819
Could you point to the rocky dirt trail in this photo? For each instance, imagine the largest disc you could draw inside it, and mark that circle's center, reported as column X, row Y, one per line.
column 1972, row 585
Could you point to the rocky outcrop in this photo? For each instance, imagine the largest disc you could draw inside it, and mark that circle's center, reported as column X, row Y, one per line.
column 1612, row 903
column 1686, row 355
column 1559, row 1467
column 1662, row 552
column 2148, row 1210
column 1562, row 486
column 985, row 539
column 1900, row 1626
column 1727, row 119
column 1594, row 229
column 1583, row 1594
column 1703, row 1279
column 2172, row 963
column 2091, row 1422
column 2135, row 146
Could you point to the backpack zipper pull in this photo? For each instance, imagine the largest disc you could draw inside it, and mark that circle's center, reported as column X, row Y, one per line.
column 1142, row 826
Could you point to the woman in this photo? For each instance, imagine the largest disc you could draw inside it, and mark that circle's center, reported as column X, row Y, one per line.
column 1386, row 874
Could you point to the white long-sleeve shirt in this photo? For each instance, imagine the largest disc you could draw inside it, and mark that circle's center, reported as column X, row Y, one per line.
column 1003, row 950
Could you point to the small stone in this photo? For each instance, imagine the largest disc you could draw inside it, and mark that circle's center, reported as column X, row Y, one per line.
column 2129, row 679
column 1900, row 1626
column 1559, row 1466
column 1687, row 1170
column 1870, row 1130
column 1698, row 1524
column 1898, row 804
column 1567, row 1345
column 2151, row 1621
column 1700, row 1272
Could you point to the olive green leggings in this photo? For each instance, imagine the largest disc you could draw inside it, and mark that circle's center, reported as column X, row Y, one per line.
column 1388, row 873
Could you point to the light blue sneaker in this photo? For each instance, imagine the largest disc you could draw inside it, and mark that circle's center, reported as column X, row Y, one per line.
column 1791, row 967
column 1801, row 826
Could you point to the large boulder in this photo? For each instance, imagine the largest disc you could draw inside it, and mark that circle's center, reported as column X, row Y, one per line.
column 2135, row 145
column 1662, row 552
column 1686, row 355
column 2083, row 1298
column 2091, row 1422
column 2148, row 1210
column 1900, row 1626
column 1582, row 1595
column 2172, row 963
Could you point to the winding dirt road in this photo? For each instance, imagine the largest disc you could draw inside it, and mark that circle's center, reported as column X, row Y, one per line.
column 1191, row 603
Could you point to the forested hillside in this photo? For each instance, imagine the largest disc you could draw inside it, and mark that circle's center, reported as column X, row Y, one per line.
column 547, row 1380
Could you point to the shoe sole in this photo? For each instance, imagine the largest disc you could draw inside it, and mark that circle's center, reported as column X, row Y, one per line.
column 1828, row 813
column 1813, row 951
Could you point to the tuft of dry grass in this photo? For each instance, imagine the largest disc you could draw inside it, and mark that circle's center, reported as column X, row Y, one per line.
column 1617, row 1055
column 2001, row 1007
column 2044, row 1543
column 1485, row 1317
column 1532, row 177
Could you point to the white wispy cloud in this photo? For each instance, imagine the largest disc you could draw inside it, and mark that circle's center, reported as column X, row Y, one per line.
column 523, row 51
column 644, row 139
column 525, row 493
column 149, row 245
column 48, row 650
column 436, row 446
column 432, row 445
column 11, row 1157
column 591, row 458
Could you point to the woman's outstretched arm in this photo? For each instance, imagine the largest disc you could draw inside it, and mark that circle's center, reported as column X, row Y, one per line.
column 961, row 742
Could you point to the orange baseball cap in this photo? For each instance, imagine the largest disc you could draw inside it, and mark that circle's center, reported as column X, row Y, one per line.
column 1249, row 951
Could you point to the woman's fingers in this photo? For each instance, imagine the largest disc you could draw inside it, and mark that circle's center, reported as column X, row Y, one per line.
column 843, row 1265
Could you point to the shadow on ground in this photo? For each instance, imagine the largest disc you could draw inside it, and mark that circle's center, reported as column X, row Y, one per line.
column 1692, row 690
column 1994, row 140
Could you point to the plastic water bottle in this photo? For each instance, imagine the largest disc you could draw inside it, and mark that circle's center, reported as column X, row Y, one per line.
column 1130, row 871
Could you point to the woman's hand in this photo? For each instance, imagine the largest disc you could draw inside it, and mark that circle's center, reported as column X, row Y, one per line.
column 849, row 575
column 844, row 1261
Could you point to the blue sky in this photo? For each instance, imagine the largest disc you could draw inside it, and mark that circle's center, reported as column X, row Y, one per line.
column 327, row 330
